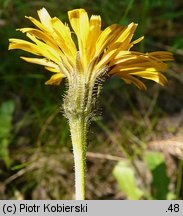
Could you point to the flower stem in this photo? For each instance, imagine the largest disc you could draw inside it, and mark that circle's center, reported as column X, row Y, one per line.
column 78, row 137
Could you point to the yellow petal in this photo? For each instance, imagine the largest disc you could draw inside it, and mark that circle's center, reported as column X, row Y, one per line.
column 54, row 70
column 23, row 45
column 63, row 38
column 40, row 35
column 39, row 48
column 80, row 23
column 130, row 79
column 135, row 42
column 107, row 36
column 136, row 59
column 55, row 79
column 146, row 73
column 162, row 55
column 39, row 61
column 45, row 18
column 146, row 66
column 125, row 37
column 37, row 23
column 120, row 42
column 152, row 75
column 94, row 32
column 45, row 50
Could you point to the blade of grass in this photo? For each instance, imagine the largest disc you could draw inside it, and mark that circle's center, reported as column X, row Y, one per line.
column 179, row 179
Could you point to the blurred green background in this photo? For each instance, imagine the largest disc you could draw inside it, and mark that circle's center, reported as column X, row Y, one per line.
column 135, row 146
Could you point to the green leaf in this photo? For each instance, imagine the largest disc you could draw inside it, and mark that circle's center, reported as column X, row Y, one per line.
column 154, row 159
column 125, row 177
column 156, row 163
column 6, row 113
column 20, row 166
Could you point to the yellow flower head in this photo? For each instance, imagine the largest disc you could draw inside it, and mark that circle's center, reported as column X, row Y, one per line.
column 97, row 52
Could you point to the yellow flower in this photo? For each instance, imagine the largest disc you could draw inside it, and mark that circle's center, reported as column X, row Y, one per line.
column 86, row 56
column 97, row 52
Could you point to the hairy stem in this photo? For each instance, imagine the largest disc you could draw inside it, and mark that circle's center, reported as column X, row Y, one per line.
column 78, row 137
column 79, row 106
